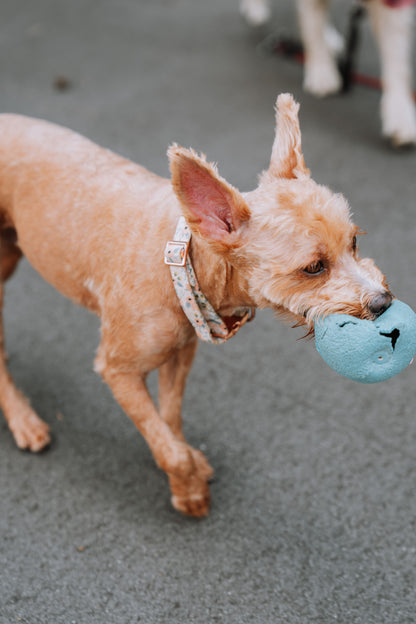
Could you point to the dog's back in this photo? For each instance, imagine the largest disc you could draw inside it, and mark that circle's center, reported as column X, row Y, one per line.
column 77, row 208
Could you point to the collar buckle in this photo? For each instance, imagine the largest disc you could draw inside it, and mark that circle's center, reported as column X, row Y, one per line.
column 176, row 253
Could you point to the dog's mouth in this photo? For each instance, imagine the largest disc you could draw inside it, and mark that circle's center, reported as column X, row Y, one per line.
column 310, row 315
column 370, row 312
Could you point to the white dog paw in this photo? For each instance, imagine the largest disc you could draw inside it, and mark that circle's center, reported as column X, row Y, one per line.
column 322, row 77
column 255, row 12
column 398, row 116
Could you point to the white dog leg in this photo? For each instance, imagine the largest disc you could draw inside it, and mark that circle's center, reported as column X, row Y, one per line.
column 393, row 31
column 334, row 40
column 321, row 73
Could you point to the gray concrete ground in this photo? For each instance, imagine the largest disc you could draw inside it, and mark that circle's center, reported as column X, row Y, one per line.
column 313, row 516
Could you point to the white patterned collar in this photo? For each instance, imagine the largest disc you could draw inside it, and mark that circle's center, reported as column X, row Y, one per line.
column 208, row 325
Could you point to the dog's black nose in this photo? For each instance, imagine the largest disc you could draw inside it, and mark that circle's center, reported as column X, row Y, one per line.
column 380, row 303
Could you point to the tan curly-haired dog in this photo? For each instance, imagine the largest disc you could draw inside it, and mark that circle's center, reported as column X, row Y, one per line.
column 96, row 225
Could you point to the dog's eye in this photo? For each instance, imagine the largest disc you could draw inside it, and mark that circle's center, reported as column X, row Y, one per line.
column 314, row 268
column 354, row 243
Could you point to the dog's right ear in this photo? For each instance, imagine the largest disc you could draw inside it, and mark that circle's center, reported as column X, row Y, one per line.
column 211, row 206
column 287, row 158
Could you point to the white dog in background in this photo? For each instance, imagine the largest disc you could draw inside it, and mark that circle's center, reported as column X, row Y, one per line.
column 391, row 22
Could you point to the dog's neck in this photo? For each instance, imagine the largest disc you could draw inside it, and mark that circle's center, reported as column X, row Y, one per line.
column 224, row 286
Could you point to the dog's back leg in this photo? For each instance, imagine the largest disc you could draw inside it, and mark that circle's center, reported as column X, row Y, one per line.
column 29, row 431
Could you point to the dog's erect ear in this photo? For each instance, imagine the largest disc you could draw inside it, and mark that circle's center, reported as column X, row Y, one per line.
column 287, row 158
column 211, row 205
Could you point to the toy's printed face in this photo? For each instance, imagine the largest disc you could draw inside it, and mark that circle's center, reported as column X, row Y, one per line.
column 368, row 351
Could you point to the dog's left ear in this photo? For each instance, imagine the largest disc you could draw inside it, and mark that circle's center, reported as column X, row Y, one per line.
column 211, row 206
column 287, row 158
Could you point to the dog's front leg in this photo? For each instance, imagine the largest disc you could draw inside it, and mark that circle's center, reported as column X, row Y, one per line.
column 393, row 31
column 172, row 379
column 187, row 469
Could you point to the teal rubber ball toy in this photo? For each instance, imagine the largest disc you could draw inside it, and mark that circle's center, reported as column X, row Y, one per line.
column 368, row 351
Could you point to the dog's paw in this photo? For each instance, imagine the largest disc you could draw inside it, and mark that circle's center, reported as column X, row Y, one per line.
column 30, row 432
column 255, row 12
column 398, row 116
column 322, row 77
column 191, row 496
column 189, row 472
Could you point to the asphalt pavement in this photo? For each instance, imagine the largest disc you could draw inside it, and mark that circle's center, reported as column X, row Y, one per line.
column 314, row 511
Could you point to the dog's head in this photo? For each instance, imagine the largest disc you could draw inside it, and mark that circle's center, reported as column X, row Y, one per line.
column 292, row 241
